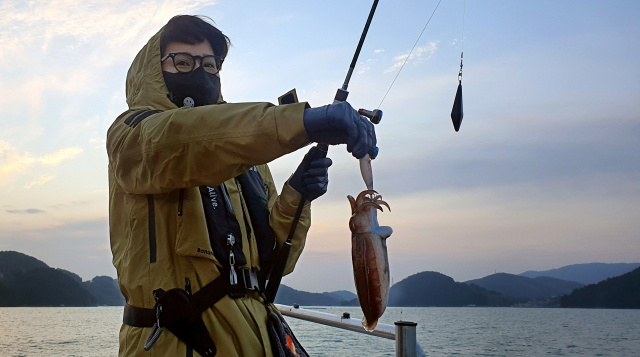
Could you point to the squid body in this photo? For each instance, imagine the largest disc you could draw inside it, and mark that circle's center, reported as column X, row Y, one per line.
column 369, row 250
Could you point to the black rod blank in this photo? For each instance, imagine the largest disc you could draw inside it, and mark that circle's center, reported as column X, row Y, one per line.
column 362, row 37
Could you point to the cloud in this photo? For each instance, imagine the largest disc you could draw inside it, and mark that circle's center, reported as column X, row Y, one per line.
column 378, row 51
column 101, row 143
column 41, row 181
column 117, row 22
column 67, row 245
column 12, row 159
column 69, row 204
column 26, row 211
column 419, row 55
column 59, row 156
column 64, row 46
column 362, row 70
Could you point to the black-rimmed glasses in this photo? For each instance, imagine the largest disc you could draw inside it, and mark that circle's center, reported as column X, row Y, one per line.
column 185, row 62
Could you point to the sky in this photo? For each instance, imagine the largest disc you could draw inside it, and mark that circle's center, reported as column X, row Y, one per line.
column 544, row 172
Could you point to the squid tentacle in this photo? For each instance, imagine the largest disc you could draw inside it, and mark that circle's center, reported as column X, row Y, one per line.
column 366, row 205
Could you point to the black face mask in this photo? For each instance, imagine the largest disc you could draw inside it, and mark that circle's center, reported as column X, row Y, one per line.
column 192, row 89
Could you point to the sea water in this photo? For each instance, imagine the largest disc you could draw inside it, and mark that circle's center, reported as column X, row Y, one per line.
column 472, row 331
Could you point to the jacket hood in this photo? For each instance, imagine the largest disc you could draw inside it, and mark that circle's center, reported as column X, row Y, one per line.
column 145, row 84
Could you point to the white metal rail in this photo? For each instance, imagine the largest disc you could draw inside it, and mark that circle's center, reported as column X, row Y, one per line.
column 404, row 333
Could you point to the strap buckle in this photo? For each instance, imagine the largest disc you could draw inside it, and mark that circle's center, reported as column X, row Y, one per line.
column 250, row 279
column 247, row 282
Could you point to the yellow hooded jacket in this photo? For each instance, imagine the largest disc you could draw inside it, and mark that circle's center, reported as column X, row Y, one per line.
column 159, row 237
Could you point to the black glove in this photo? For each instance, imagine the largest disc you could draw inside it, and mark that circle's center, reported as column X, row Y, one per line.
column 340, row 124
column 312, row 175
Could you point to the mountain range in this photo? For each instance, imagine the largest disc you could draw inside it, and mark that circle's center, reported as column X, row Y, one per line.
column 523, row 287
column 622, row 292
column 435, row 289
column 590, row 273
column 290, row 296
column 27, row 281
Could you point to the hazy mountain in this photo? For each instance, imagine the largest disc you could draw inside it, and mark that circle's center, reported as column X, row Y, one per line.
column 622, row 292
column 523, row 287
column 435, row 289
column 590, row 273
column 341, row 295
column 290, row 296
column 106, row 291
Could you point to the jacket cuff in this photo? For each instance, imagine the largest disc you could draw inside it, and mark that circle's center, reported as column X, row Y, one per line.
column 289, row 200
column 290, row 127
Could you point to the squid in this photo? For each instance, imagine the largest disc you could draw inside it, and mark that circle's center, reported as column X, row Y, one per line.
column 369, row 250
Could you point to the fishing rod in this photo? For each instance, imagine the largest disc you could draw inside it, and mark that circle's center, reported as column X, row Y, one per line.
column 375, row 116
column 319, row 152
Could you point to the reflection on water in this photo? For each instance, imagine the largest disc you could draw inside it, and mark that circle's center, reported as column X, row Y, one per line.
column 441, row 332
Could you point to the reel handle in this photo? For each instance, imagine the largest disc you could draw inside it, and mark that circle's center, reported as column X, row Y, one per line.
column 374, row 115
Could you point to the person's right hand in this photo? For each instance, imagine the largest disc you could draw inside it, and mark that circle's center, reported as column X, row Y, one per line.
column 341, row 124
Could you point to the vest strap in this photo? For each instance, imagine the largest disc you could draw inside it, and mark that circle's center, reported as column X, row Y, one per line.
column 202, row 300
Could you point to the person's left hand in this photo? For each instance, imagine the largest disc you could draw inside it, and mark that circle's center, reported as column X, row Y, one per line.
column 312, row 175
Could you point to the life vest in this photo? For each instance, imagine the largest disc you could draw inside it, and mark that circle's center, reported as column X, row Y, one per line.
column 224, row 229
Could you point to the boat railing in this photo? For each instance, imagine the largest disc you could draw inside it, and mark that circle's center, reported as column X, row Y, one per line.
column 404, row 332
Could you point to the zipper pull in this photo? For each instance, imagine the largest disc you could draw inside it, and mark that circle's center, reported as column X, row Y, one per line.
column 187, row 285
column 233, row 277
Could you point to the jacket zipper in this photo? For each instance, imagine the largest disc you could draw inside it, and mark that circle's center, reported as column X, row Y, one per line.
column 180, row 202
column 187, row 285
column 152, row 229
column 187, row 288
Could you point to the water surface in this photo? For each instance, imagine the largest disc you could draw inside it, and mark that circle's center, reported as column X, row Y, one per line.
column 93, row 331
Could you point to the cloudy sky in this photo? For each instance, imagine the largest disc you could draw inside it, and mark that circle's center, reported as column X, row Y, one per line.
column 545, row 171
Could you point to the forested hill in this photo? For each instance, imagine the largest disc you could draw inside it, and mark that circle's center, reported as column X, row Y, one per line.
column 522, row 287
column 434, row 289
column 27, row 281
column 622, row 292
column 14, row 262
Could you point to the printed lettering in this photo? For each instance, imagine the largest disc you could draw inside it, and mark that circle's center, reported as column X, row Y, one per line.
column 213, row 196
column 204, row 251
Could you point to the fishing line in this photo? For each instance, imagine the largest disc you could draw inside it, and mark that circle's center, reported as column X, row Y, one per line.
column 409, row 55
column 464, row 11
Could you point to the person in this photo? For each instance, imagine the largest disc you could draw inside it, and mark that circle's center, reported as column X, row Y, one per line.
column 192, row 202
